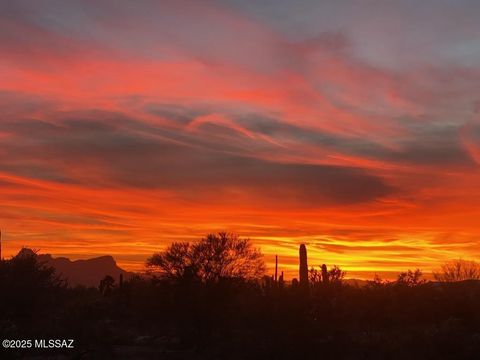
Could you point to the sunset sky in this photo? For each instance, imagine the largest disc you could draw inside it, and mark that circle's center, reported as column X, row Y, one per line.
column 351, row 126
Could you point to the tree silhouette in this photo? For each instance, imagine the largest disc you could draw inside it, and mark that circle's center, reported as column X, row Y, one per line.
column 176, row 262
column 215, row 257
column 27, row 285
column 458, row 270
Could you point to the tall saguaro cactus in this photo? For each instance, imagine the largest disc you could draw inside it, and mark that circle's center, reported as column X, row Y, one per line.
column 303, row 265
column 325, row 275
column 276, row 268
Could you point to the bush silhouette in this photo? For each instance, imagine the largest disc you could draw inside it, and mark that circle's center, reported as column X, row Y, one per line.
column 410, row 278
column 458, row 270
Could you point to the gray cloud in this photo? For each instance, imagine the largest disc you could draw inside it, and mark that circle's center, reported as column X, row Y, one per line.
column 131, row 153
column 115, row 150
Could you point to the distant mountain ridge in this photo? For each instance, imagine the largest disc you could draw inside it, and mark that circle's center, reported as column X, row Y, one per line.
column 86, row 272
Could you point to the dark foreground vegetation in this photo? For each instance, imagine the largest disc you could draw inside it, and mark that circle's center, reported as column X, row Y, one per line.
column 197, row 305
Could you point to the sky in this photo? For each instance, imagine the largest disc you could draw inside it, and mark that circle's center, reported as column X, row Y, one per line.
column 350, row 126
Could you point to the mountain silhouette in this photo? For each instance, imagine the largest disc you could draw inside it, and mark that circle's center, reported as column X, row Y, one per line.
column 88, row 272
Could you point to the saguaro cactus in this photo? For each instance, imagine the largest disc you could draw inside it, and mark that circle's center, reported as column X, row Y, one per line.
column 325, row 275
column 303, row 265
column 276, row 268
